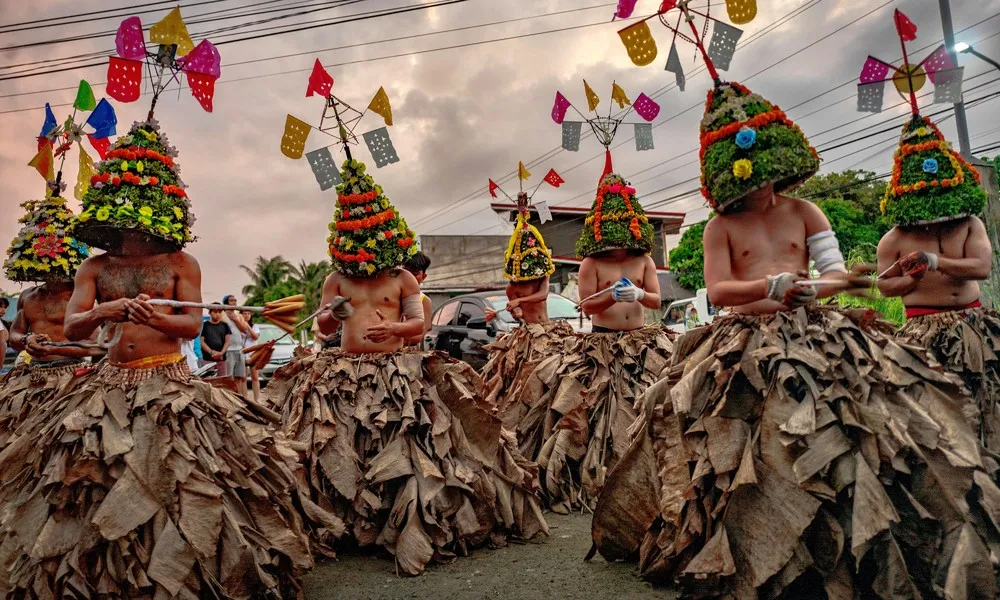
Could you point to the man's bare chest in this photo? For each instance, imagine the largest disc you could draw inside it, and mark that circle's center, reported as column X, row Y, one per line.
column 128, row 280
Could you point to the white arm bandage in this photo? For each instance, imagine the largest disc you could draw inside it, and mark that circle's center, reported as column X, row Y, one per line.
column 413, row 307
column 824, row 250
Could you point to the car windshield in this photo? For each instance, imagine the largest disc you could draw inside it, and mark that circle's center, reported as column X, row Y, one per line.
column 271, row 332
column 559, row 307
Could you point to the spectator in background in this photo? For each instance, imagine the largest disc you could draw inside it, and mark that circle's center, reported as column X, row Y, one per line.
column 238, row 331
column 187, row 350
column 249, row 340
column 319, row 338
column 215, row 340
column 3, row 344
column 4, row 305
column 418, row 265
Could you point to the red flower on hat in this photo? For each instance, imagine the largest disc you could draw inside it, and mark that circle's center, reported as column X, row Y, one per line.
column 48, row 245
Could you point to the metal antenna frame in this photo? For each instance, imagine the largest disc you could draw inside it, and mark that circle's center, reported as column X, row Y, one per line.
column 345, row 123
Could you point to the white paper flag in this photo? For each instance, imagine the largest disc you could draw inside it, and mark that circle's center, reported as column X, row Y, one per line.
column 948, row 87
column 326, row 172
column 674, row 66
column 571, row 135
column 544, row 214
column 723, row 44
column 643, row 136
column 870, row 96
column 381, row 147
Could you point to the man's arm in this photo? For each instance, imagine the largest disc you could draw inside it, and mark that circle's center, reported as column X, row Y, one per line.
column 722, row 289
column 651, row 285
column 816, row 222
column 205, row 350
column 977, row 257
column 331, row 289
column 225, row 344
column 428, row 311
column 539, row 295
column 182, row 323
column 588, row 287
column 893, row 283
column 240, row 322
column 82, row 316
column 19, row 328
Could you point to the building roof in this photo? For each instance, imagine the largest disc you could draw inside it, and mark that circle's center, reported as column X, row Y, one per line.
column 669, row 218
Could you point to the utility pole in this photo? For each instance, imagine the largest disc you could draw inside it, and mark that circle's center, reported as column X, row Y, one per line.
column 949, row 40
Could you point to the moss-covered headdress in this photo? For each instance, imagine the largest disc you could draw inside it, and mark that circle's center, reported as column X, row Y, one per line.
column 44, row 250
column 527, row 256
column 930, row 181
column 367, row 235
column 137, row 187
column 616, row 220
column 748, row 143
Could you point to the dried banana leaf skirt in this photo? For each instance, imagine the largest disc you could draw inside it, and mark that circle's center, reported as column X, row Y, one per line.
column 143, row 483
column 805, row 455
column 577, row 428
column 401, row 452
column 31, row 389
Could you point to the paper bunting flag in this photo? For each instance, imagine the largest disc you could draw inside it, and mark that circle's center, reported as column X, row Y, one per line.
column 50, row 122
column 870, row 96
column 874, row 70
column 643, row 136
column 320, row 82
column 503, row 217
column 741, row 11
column 103, row 119
column 293, row 142
column 204, row 59
column 592, row 99
column 625, row 8
column 907, row 30
column 639, row 42
column 84, row 97
column 559, row 108
column 936, row 62
column 326, row 171
column 674, row 66
column 380, row 106
column 645, row 107
column 619, row 96
column 571, row 135
column 667, row 5
column 83, row 174
column 544, row 214
column 202, row 88
column 948, row 87
column 552, row 178
column 723, row 44
column 522, row 173
column 44, row 163
column 172, row 30
column 493, row 187
column 381, row 148
column 124, row 79
column 128, row 42
column 102, row 145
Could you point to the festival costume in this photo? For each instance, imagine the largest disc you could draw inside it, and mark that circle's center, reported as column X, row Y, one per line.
column 400, row 450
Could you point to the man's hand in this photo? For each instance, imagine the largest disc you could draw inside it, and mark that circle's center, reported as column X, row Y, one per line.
column 781, row 288
column 115, row 311
column 139, row 310
column 627, row 292
column 33, row 344
column 381, row 332
column 915, row 264
column 341, row 309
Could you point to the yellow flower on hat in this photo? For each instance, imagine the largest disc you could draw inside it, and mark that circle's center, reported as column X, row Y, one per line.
column 370, row 243
column 370, row 268
column 743, row 169
column 138, row 166
column 146, row 211
column 178, row 212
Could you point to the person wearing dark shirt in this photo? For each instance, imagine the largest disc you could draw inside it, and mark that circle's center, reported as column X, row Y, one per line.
column 215, row 340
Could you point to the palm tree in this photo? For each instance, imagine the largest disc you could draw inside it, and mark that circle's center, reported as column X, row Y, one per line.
column 266, row 276
column 308, row 279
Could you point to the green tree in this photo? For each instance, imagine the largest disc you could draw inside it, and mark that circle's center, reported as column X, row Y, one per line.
column 851, row 201
column 308, row 279
column 268, row 280
column 687, row 260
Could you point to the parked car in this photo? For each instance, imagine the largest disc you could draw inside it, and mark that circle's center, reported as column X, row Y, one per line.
column 689, row 313
column 459, row 327
column 283, row 351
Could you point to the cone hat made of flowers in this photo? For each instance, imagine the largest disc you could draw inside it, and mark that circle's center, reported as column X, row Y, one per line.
column 930, row 182
column 616, row 220
column 137, row 187
column 748, row 143
column 367, row 235
column 44, row 249
column 527, row 256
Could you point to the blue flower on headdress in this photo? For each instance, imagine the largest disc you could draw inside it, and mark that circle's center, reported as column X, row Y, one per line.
column 80, row 247
column 930, row 166
column 746, row 138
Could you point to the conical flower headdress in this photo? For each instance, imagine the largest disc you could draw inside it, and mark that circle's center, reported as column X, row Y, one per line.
column 527, row 257
column 44, row 250
column 615, row 221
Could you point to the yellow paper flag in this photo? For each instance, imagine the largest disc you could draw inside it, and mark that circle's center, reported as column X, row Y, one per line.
column 618, row 95
column 85, row 172
column 380, row 106
column 44, row 163
column 172, row 30
column 522, row 173
column 293, row 142
column 741, row 11
column 592, row 99
column 639, row 42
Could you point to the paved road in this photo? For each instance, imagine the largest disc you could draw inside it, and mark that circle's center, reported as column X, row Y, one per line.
column 547, row 569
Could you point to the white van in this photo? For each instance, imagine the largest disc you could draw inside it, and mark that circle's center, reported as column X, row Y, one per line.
column 688, row 313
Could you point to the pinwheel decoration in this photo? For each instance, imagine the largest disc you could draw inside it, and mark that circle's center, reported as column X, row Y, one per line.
column 339, row 120
column 176, row 54
column 909, row 78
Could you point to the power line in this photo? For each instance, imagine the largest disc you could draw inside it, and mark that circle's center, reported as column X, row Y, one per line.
column 83, row 17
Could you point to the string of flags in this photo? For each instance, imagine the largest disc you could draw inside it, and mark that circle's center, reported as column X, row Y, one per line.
column 324, row 168
column 552, row 178
column 605, row 127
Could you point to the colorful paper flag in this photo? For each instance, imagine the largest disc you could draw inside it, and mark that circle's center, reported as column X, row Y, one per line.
column 202, row 88
column 381, row 148
column 380, row 106
column 723, row 44
column 320, row 82
column 571, row 135
column 102, row 145
column 172, row 30
column 937, row 61
column 625, row 8
column 326, row 171
column 948, row 87
column 204, row 59
column 124, row 79
column 493, row 188
column 522, row 173
column 874, row 70
column 103, row 119
column 639, row 42
column 667, row 5
column 870, row 96
column 50, row 122
column 83, row 174
column 592, row 99
column 293, row 142
column 741, row 11
column 544, row 214
column 128, row 41
column 44, row 163
column 645, row 107
column 674, row 66
column 907, row 30
column 552, row 178
column 619, row 96
column 559, row 108
column 84, row 97
column 643, row 136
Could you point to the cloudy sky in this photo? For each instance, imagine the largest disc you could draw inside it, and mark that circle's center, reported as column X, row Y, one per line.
column 462, row 115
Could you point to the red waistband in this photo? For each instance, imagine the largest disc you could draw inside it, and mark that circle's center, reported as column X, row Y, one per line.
column 920, row 311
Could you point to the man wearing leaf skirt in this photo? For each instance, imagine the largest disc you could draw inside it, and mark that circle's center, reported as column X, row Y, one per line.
column 796, row 450
column 400, row 449
column 144, row 481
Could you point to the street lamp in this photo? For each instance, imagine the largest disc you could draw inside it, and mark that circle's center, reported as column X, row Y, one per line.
column 963, row 48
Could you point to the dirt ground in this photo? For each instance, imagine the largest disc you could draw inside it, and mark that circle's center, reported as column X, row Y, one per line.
column 547, row 568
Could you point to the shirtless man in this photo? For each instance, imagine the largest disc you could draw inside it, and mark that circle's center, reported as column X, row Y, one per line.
column 417, row 265
column 528, row 300
column 622, row 308
column 41, row 312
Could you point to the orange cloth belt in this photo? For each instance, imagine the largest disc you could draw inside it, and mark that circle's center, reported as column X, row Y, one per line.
column 151, row 362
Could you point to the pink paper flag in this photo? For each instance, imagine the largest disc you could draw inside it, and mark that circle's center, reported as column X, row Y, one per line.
column 625, row 8
column 204, row 59
column 874, row 70
column 559, row 108
column 202, row 88
column 938, row 61
column 128, row 41
column 645, row 107
column 320, row 82
column 124, row 79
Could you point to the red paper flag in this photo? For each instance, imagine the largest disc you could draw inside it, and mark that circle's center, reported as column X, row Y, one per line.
column 907, row 30
column 320, row 82
column 42, row 140
column 100, row 144
column 202, row 88
column 493, row 188
column 667, row 5
column 124, row 79
column 608, row 168
column 552, row 178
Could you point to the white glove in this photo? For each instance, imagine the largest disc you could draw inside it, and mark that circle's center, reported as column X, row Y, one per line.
column 778, row 287
column 627, row 293
column 341, row 308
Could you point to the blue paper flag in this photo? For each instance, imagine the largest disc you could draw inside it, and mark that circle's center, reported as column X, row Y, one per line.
column 103, row 119
column 50, row 121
